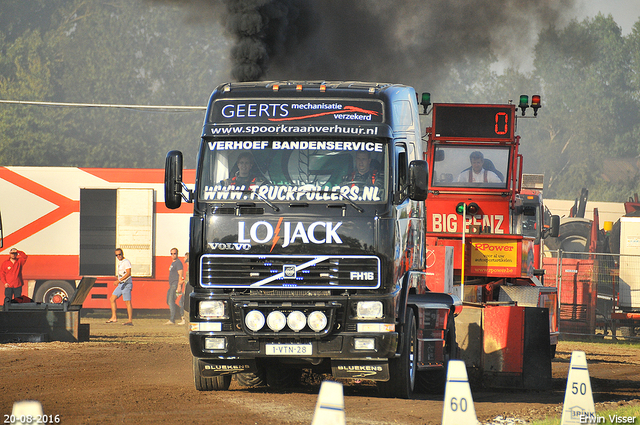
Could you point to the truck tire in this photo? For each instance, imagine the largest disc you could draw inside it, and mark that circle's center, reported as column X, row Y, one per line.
column 402, row 370
column 250, row 379
column 209, row 383
column 434, row 381
column 574, row 236
column 54, row 292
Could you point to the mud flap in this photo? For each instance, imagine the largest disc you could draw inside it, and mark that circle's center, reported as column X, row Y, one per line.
column 506, row 346
column 219, row 367
column 537, row 359
column 360, row 369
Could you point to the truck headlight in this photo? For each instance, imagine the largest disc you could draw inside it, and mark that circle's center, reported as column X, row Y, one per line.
column 254, row 320
column 364, row 343
column 212, row 309
column 317, row 321
column 215, row 343
column 296, row 321
column 276, row 320
column 369, row 309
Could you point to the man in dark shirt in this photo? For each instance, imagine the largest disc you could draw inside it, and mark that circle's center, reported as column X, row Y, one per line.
column 176, row 279
column 364, row 174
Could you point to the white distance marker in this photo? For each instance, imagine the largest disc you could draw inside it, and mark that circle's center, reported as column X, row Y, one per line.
column 578, row 398
column 458, row 404
column 330, row 405
column 25, row 412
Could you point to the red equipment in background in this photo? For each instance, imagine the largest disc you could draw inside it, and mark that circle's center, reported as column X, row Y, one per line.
column 507, row 331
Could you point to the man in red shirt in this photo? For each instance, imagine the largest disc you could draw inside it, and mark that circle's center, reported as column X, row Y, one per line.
column 11, row 274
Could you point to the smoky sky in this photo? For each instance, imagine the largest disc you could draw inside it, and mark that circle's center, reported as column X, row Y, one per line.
column 379, row 40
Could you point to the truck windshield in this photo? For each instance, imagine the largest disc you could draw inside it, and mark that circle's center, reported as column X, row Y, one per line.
column 294, row 170
column 470, row 166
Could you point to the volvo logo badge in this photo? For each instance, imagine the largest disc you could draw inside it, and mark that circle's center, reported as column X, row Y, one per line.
column 289, row 271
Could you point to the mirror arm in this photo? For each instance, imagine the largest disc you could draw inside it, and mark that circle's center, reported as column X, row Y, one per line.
column 189, row 196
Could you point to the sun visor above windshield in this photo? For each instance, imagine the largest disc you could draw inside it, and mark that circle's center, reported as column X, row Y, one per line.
column 242, row 117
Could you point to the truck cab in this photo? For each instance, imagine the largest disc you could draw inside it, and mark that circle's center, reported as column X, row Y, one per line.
column 307, row 237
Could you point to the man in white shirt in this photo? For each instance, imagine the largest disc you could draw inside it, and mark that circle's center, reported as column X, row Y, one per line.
column 123, row 288
column 476, row 174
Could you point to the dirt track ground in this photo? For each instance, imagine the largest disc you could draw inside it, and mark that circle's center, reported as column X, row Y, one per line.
column 142, row 374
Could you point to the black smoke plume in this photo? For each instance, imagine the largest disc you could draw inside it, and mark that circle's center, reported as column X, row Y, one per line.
column 401, row 41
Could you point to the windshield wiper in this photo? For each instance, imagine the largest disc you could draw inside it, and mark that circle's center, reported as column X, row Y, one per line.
column 265, row 200
column 353, row 204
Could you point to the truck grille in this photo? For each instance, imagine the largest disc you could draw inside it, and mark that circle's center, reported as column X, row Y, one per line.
column 289, row 271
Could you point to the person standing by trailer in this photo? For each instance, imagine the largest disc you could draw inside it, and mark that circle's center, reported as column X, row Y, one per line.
column 186, row 290
column 123, row 288
column 176, row 279
column 11, row 274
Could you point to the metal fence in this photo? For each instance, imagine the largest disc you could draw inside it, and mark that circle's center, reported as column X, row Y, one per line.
column 599, row 293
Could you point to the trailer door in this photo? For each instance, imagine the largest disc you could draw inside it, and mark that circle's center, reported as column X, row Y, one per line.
column 97, row 231
column 111, row 218
column 134, row 229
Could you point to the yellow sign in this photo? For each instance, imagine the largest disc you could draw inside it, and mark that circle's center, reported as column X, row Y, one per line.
column 493, row 257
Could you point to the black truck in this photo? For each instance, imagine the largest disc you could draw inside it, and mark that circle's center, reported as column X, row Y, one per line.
column 307, row 239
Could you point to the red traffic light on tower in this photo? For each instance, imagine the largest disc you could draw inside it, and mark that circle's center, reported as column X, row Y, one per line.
column 535, row 104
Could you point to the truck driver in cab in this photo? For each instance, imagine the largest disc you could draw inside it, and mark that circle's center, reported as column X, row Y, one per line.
column 477, row 173
column 364, row 173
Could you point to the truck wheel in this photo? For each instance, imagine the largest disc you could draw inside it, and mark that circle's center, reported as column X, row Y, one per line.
column 434, row 381
column 54, row 292
column 209, row 383
column 250, row 379
column 402, row 370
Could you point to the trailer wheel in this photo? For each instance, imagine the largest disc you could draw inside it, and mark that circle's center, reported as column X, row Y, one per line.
column 54, row 292
column 402, row 370
column 250, row 379
column 434, row 381
column 209, row 383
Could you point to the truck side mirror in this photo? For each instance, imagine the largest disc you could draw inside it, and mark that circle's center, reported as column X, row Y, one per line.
column 554, row 230
column 173, row 180
column 418, row 175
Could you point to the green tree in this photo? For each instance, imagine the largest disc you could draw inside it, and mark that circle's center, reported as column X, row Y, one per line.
column 589, row 111
column 120, row 52
column 27, row 133
column 18, row 16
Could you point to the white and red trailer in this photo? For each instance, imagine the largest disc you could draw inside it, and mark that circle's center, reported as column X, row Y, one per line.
column 69, row 221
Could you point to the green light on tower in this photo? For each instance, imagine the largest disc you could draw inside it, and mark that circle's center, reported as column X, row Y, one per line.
column 425, row 101
column 524, row 103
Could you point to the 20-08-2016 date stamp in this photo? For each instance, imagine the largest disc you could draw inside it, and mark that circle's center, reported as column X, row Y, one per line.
column 31, row 419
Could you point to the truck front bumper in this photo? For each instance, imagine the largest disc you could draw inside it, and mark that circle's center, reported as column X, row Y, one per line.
column 346, row 345
column 350, row 355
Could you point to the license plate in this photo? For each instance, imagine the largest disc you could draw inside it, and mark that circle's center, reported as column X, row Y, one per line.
column 289, row 349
